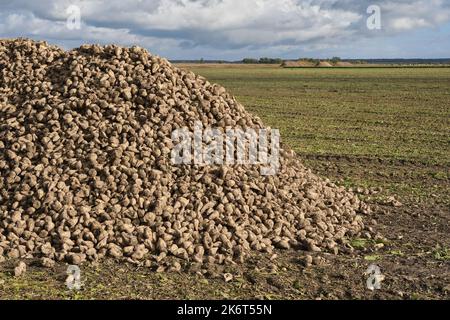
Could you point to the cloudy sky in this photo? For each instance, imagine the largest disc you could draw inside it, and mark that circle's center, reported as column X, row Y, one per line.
column 234, row 29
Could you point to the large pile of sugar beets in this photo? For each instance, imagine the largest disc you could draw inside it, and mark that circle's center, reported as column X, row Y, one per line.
column 86, row 171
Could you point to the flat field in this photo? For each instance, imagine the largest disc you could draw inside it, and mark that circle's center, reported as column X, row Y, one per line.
column 385, row 132
column 390, row 118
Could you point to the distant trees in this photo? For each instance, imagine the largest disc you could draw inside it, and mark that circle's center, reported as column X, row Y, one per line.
column 312, row 60
column 250, row 61
column 335, row 59
column 270, row 61
column 264, row 60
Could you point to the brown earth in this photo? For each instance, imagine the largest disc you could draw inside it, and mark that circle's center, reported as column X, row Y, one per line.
column 343, row 64
column 298, row 64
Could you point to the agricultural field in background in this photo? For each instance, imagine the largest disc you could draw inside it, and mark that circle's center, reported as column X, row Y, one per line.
column 381, row 121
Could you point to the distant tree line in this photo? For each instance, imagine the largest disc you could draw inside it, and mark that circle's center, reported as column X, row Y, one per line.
column 333, row 60
column 262, row 61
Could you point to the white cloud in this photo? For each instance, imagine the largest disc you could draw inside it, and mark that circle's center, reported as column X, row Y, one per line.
column 408, row 15
column 408, row 23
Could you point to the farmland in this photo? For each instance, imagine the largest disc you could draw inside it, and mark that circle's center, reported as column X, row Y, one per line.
column 383, row 132
column 390, row 118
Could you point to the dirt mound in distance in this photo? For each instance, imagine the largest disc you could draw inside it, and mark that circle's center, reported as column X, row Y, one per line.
column 299, row 64
column 324, row 64
column 344, row 64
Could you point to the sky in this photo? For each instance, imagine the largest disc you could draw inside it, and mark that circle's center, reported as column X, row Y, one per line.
column 236, row 29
